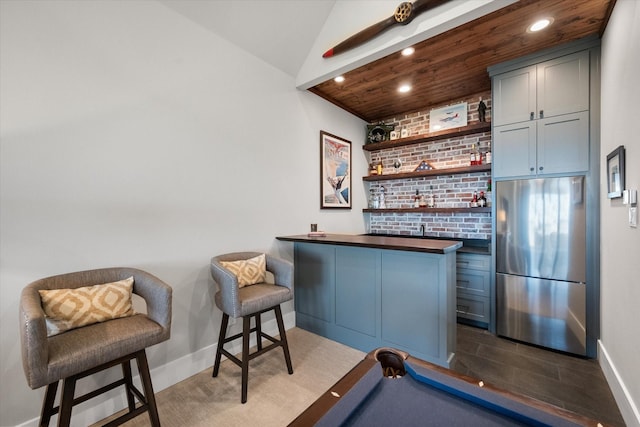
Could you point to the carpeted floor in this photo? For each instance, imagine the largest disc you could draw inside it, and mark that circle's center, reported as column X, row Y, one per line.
column 274, row 398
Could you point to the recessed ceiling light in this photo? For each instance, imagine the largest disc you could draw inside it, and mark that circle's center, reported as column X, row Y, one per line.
column 339, row 79
column 540, row 24
column 404, row 88
column 408, row 51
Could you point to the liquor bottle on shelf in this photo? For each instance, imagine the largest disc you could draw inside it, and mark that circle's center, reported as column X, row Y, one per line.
column 382, row 203
column 488, row 194
column 482, row 201
column 474, row 201
column 487, row 156
column 431, row 202
column 416, row 199
column 379, row 167
column 422, row 202
column 472, row 155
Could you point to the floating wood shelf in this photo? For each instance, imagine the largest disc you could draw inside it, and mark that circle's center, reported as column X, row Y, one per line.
column 429, row 210
column 477, row 127
column 430, row 172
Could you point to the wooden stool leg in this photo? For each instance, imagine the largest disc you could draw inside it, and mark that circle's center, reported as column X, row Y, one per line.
column 283, row 339
column 258, row 331
column 128, row 384
column 221, row 338
column 66, row 403
column 145, row 377
column 246, row 332
column 47, row 404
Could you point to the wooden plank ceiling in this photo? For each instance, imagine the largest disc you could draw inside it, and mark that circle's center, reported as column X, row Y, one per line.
column 452, row 66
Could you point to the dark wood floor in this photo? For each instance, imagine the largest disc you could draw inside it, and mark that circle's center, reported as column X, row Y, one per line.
column 568, row 382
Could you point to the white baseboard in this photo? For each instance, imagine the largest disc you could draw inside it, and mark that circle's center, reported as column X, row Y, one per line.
column 627, row 406
column 162, row 377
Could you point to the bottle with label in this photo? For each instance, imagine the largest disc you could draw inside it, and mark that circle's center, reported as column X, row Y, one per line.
column 382, row 204
column 474, row 201
column 487, row 156
column 482, row 201
column 416, row 199
column 431, row 201
column 488, row 194
column 379, row 167
column 472, row 155
column 422, row 202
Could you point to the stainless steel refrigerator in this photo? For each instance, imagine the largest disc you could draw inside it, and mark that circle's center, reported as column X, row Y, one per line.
column 541, row 262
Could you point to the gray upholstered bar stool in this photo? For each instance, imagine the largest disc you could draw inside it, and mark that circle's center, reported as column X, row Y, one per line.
column 83, row 351
column 250, row 301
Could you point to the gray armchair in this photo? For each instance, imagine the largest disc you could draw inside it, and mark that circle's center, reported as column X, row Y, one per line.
column 247, row 302
column 80, row 352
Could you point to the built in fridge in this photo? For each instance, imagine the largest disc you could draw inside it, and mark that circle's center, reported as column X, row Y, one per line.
column 541, row 262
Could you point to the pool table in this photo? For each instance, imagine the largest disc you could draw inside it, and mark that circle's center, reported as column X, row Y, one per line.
column 391, row 388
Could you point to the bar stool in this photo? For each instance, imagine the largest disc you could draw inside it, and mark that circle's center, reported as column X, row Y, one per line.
column 244, row 292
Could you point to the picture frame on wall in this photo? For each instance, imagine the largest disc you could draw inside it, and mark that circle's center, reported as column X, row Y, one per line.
column 615, row 173
column 335, row 172
column 449, row 117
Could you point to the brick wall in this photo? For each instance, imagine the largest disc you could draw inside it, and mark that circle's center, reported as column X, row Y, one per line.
column 448, row 190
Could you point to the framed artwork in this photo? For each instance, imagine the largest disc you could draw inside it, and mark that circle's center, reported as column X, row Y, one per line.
column 335, row 172
column 615, row 173
column 451, row 116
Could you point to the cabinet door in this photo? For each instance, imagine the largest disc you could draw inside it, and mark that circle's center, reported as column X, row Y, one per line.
column 514, row 96
column 356, row 283
column 563, row 85
column 514, row 150
column 315, row 280
column 563, row 144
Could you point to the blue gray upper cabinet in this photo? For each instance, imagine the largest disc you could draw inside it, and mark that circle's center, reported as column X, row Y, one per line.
column 541, row 118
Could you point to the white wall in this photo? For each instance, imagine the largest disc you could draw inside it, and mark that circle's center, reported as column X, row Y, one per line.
column 131, row 136
column 620, row 244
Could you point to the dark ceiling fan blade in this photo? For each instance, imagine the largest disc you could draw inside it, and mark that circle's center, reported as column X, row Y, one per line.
column 404, row 13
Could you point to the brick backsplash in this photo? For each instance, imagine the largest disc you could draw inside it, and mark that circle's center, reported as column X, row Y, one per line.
column 450, row 191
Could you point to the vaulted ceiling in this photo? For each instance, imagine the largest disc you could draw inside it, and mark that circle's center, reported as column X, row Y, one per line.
column 451, row 66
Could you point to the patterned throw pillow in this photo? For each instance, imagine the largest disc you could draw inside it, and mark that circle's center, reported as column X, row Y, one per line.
column 67, row 309
column 249, row 271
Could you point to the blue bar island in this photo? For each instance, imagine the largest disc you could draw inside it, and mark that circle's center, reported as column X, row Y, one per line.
column 378, row 291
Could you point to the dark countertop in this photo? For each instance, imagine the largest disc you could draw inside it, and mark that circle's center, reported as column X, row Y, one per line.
column 473, row 246
column 400, row 243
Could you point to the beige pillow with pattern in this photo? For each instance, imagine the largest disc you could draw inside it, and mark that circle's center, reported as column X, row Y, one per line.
column 249, row 271
column 67, row 309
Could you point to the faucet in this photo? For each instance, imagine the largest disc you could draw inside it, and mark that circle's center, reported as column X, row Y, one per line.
column 422, row 230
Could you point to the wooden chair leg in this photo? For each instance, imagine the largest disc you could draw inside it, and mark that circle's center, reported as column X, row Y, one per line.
column 246, row 332
column 283, row 339
column 66, row 403
column 221, row 338
column 47, row 404
column 128, row 384
column 145, row 377
column 258, row 331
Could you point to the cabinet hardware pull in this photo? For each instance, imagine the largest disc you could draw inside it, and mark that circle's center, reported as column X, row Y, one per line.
column 541, row 114
column 531, row 169
column 531, row 116
column 541, row 167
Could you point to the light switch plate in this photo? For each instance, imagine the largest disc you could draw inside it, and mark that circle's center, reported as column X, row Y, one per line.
column 633, row 216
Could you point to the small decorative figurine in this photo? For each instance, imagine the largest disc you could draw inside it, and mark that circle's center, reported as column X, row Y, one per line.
column 482, row 108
